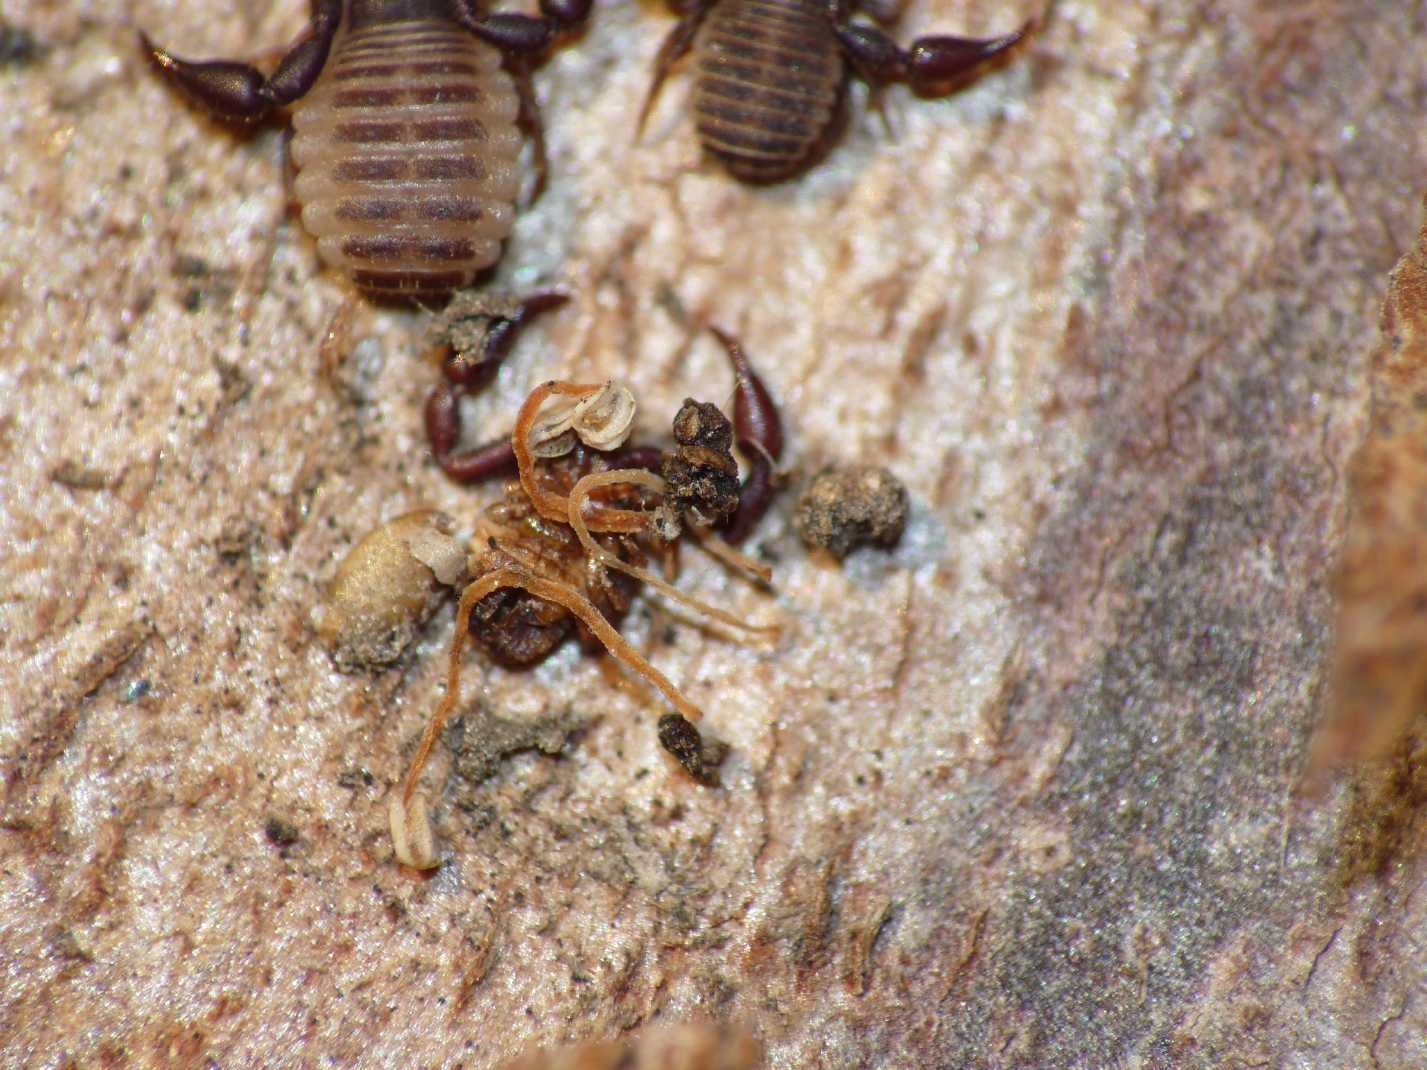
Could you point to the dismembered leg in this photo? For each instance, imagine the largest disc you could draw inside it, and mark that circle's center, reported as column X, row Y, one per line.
column 675, row 46
column 758, row 432
column 463, row 374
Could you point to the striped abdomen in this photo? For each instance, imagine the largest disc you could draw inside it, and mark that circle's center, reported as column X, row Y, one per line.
column 769, row 81
column 406, row 149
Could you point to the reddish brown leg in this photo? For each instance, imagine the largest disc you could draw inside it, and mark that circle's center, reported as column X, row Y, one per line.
column 464, row 375
column 758, row 431
column 529, row 121
column 675, row 46
column 933, row 67
column 239, row 91
column 525, row 40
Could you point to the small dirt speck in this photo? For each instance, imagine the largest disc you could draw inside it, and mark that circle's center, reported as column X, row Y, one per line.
column 279, row 833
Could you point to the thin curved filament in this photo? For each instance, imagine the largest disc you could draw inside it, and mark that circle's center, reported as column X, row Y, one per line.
column 561, row 594
column 579, row 494
column 550, row 505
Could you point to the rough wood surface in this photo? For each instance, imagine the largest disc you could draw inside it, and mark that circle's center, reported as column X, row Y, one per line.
column 1021, row 793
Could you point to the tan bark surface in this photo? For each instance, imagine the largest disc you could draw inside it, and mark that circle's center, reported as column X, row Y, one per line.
column 1018, row 794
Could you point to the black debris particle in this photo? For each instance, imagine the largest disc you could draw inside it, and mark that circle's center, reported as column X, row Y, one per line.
column 235, row 538
column 701, row 472
column 65, row 944
column 352, row 779
column 844, row 508
column 19, row 47
column 211, row 284
column 699, row 756
column 279, row 833
column 78, row 476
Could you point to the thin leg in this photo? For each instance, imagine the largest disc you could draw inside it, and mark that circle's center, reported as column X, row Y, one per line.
column 526, row 39
column 529, row 121
column 466, row 375
column 675, row 46
column 443, row 431
column 239, row 91
column 933, row 67
column 758, row 430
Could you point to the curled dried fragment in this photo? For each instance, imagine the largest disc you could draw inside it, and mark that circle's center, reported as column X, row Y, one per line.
column 601, row 420
column 387, row 586
column 514, row 627
column 552, row 591
column 553, row 504
column 701, row 474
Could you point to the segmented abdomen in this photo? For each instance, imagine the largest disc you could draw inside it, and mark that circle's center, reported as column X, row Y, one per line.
column 770, row 78
column 406, row 150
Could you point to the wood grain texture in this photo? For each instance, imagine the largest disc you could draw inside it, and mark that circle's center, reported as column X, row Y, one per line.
column 1026, row 785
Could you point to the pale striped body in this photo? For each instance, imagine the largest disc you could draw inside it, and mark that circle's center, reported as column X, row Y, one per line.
column 769, row 82
column 406, row 151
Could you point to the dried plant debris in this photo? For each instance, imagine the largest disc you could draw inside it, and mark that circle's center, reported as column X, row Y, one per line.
column 701, row 474
column 478, row 325
column 1379, row 682
column 558, row 551
column 844, row 508
column 698, row 754
column 678, row 1047
column 517, row 629
column 482, row 740
column 386, row 588
column 1385, row 819
column 1379, row 675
